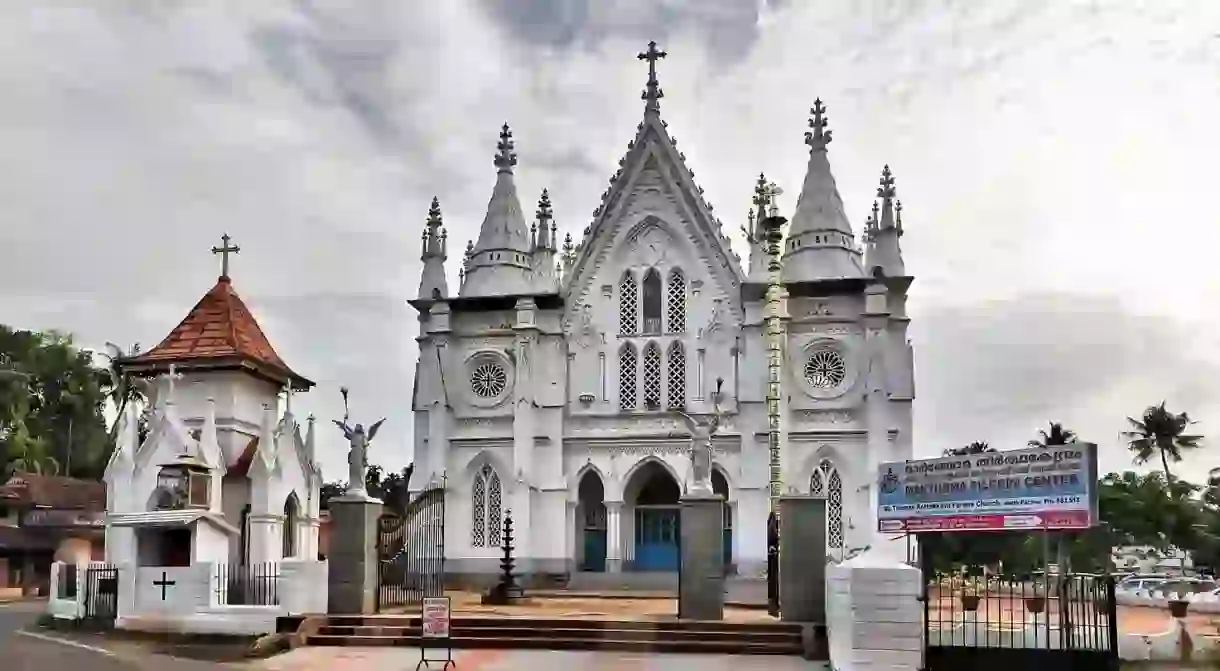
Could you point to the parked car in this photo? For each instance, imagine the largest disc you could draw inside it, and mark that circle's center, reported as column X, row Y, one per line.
column 1133, row 584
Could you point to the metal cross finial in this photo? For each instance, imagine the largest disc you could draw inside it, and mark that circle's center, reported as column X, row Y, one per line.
column 760, row 195
column 886, row 190
column 506, row 158
column 820, row 136
column 224, row 250
column 772, row 191
column 652, row 93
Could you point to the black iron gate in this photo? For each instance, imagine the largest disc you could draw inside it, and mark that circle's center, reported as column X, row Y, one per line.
column 999, row 623
column 101, row 594
column 411, row 552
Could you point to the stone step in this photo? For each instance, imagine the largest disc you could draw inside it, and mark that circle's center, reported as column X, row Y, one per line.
column 512, row 641
column 569, row 634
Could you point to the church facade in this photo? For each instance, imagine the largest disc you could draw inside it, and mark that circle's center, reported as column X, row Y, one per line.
column 547, row 381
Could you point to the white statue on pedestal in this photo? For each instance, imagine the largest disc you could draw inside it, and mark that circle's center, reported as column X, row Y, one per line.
column 358, row 453
column 701, row 447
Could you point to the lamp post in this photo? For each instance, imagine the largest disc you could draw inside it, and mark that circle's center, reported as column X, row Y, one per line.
column 773, row 232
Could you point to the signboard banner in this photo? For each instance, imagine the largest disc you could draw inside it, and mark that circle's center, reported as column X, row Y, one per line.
column 436, row 621
column 1037, row 488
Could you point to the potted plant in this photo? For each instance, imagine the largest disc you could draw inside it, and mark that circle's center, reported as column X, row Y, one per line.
column 971, row 594
column 1036, row 602
column 1178, row 608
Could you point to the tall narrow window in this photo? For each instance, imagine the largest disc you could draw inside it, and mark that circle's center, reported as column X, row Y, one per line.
column 626, row 377
column 676, row 360
column 628, row 305
column 826, row 482
column 291, row 513
column 677, row 302
column 486, row 514
column 652, row 302
column 652, row 377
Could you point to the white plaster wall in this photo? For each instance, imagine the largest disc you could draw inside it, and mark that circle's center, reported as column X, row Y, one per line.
column 209, row 544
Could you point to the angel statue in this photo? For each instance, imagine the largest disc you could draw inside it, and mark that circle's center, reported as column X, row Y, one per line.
column 358, row 454
column 701, row 446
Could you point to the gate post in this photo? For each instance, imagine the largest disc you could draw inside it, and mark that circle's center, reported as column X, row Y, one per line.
column 353, row 564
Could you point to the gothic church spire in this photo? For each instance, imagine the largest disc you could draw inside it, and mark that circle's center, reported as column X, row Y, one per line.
column 432, row 282
column 820, row 243
column 500, row 263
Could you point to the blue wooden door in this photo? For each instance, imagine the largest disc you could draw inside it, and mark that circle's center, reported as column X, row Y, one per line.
column 595, row 550
column 656, row 539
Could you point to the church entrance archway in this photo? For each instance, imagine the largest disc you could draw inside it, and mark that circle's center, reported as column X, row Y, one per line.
column 653, row 494
column 591, row 495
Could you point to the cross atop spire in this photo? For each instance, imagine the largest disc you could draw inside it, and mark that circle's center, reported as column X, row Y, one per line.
column 820, row 136
column 544, row 208
column 506, row 158
column 652, row 92
column 224, row 250
column 760, row 195
column 434, row 213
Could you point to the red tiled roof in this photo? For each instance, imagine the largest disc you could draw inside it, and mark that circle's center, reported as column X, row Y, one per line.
column 218, row 333
column 53, row 491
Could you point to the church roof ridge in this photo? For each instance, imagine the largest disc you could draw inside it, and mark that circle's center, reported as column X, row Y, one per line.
column 218, row 333
column 653, row 126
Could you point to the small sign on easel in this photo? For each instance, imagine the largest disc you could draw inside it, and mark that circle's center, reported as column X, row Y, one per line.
column 435, row 624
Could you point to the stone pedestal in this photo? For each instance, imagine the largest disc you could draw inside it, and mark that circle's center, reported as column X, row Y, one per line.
column 701, row 583
column 802, row 559
column 874, row 615
column 353, row 566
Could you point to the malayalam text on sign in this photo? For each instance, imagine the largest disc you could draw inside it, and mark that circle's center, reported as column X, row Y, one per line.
column 436, row 617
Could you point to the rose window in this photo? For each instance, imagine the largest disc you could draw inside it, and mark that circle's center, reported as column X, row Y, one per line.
column 489, row 380
column 825, row 369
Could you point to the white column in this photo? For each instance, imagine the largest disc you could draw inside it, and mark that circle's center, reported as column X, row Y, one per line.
column 614, row 555
column 572, row 535
column 438, row 445
column 265, row 541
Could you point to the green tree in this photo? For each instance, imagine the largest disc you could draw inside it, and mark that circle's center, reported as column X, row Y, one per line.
column 1162, row 433
column 1055, row 434
column 51, row 415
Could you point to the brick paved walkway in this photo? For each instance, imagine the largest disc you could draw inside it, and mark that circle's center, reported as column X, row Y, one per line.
column 404, row 659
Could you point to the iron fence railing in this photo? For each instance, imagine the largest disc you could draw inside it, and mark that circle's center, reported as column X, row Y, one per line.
column 248, row 584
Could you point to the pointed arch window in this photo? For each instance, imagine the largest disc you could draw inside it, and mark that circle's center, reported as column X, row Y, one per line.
column 652, row 376
column 652, row 302
column 827, row 483
column 628, row 305
column 676, row 311
column 291, row 520
column 675, row 359
column 626, row 377
column 486, row 500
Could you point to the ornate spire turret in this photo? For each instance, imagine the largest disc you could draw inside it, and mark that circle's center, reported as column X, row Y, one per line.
column 884, row 252
column 652, row 90
column 821, row 244
column 432, row 282
column 501, row 262
column 545, row 233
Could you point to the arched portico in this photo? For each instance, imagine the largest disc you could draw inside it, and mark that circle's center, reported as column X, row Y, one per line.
column 652, row 494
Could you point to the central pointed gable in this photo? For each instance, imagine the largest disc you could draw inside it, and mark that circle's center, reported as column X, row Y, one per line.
column 653, row 163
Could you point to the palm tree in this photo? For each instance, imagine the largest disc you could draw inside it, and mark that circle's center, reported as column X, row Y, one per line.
column 1162, row 432
column 976, row 447
column 120, row 387
column 1054, row 435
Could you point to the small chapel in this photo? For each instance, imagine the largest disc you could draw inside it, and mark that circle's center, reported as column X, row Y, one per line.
column 548, row 378
column 224, row 474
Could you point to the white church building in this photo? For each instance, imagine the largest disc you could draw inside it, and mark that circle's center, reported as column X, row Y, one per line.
column 212, row 519
column 547, row 379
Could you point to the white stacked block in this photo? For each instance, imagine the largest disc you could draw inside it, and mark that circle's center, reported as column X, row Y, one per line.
column 873, row 614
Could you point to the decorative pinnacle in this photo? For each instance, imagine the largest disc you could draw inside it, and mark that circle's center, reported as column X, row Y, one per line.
column 886, row 190
column 434, row 213
column 760, row 195
column 506, row 158
column 898, row 215
column 821, row 135
column 652, row 92
column 544, row 208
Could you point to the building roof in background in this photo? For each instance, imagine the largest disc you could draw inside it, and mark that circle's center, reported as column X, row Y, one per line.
column 53, row 491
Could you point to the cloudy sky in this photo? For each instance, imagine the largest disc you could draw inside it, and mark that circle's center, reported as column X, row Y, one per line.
column 1053, row 159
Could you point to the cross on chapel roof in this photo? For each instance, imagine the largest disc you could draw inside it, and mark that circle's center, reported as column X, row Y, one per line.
column 652, row 91
column 224, row 250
